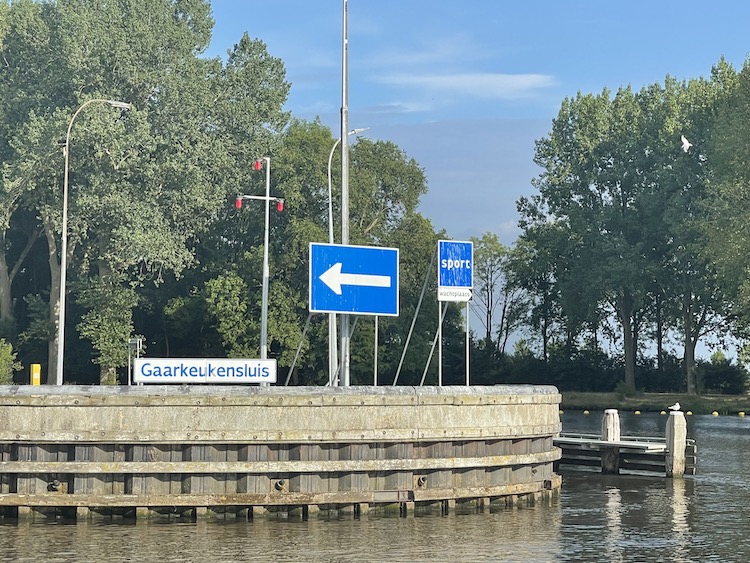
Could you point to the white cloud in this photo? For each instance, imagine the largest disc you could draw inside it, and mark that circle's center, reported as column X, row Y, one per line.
column 482, row 85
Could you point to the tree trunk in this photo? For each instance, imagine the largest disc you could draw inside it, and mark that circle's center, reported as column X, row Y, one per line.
column 107, row 375
column 488, row 319
column 7, row 316
column 6, row 302
column 688, row 357
column 659, row 335
column 54, row 298
column 689, row 360
column 625, row 312
column 545, row 326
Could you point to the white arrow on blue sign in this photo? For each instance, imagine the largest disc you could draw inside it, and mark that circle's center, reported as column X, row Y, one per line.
column 455, row 270
column 360, row 280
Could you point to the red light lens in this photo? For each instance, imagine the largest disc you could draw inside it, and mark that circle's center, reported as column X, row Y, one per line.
column 258, row 164
column 238, row 203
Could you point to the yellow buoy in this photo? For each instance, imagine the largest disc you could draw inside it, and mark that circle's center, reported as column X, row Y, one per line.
column 741, row 413
column 714, row 413
column 586, row 412
column 562, row 411
column 689, row 413
column 663, row 412
column 637, row 412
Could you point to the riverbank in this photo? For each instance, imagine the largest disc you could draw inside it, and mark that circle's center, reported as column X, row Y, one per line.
column 656, row 402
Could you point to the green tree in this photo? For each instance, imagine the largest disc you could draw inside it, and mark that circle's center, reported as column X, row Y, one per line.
column 532, row 269
column 591, row 183
column 496, row 301
column 617, row 181
column 8, row 363
column 147, row 184
column 233, row 248
column 727, row 149
column 489, row 255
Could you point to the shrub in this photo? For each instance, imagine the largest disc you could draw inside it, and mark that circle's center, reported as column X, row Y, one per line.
column 722, row 376
column 8, row 363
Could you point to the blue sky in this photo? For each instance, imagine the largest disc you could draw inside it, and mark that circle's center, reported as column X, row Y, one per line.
column 466, row 87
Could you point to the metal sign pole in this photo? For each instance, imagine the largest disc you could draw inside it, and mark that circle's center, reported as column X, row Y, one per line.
column 375, row 358
column 467, row 344
column 344, row 347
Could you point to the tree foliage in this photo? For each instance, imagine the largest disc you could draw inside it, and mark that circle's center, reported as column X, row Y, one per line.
column 627, row 201
column 628, row 243
column 8, row 363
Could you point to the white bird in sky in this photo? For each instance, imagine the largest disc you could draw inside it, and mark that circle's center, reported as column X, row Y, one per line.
column 686, row 144
column 675, row 407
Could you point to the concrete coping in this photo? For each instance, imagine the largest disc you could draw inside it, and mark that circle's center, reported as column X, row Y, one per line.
column 477, row 391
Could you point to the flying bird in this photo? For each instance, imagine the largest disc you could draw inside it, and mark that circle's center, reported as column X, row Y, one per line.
column 686, row 144
column 675, row 407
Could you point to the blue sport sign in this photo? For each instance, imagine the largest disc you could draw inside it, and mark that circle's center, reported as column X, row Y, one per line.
column 361, row 280
column 455, row 270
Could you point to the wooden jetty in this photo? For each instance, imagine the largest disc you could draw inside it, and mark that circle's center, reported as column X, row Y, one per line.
column 232, row 451
column 673, row 455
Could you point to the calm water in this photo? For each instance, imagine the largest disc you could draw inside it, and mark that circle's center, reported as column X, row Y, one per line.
column 597, row 518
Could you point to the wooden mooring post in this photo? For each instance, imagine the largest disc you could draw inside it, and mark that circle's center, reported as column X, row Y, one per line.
column 676, row 434
column 610, row 433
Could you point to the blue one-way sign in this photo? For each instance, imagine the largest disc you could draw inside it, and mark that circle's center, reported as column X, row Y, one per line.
column 455, row 270
column 361, row 280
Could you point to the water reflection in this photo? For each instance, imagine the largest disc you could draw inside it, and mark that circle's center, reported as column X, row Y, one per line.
column 680, row 528
column 614, row 524
column 597, row 518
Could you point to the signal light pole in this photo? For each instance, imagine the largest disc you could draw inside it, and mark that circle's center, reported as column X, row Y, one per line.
column 279, row 207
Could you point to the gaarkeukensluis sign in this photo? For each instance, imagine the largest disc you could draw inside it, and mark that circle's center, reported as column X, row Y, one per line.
column 203, row 370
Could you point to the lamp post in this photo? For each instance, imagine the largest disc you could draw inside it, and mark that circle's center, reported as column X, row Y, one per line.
column 264, row 292
column 333, row 360
column 64, row 237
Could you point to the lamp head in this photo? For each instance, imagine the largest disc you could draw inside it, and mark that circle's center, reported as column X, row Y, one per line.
column 121, row 105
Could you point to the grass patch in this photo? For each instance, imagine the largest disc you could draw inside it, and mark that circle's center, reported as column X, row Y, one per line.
column 655, row 402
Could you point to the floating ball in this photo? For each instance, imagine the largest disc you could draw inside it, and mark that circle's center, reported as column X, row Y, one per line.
column 714, row 413
column 586, row 412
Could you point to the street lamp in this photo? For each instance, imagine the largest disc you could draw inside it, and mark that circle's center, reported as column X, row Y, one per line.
column 64, row 239
column 333, row 361
column 264, row 299
column 330, row 198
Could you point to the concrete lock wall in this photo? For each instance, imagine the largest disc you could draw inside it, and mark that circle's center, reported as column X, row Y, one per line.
column 246, row 450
